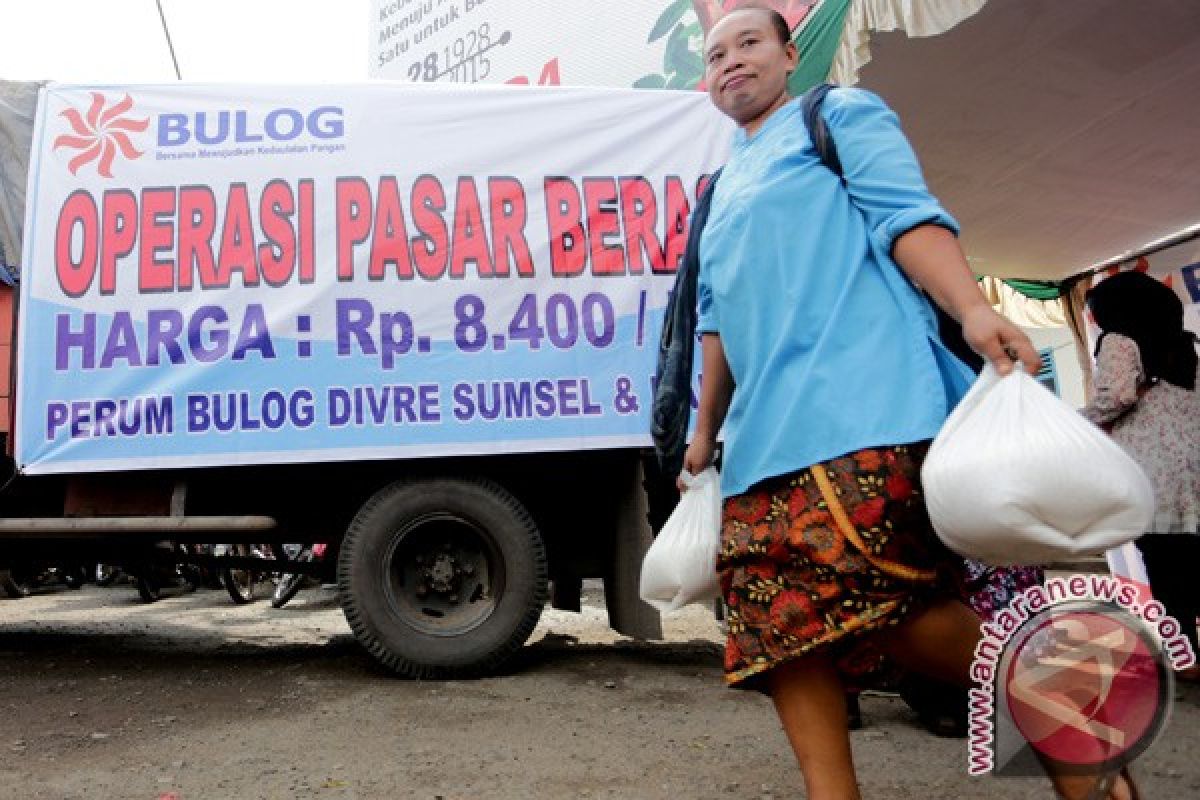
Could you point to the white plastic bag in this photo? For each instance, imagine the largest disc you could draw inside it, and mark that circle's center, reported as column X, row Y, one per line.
column 1017, row 476
column 681, row 565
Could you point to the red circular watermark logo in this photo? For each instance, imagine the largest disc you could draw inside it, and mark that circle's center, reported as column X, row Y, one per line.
column 1086, row 686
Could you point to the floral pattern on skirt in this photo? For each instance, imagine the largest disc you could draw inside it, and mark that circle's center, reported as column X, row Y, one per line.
column 817, row 557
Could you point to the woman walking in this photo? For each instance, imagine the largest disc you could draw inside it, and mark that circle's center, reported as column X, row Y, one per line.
column 821, row 360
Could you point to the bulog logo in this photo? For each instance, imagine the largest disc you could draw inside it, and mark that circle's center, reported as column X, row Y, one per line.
column 101, row 133
column 211, row 128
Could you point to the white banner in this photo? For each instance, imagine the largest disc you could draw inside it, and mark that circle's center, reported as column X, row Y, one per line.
column 229, row 275
column 532, row 42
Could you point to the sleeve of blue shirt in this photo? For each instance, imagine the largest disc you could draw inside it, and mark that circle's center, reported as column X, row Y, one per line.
column 707, row 315
column 881, row 170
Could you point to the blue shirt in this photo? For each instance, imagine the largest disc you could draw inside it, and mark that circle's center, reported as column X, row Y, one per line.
column 831, row 347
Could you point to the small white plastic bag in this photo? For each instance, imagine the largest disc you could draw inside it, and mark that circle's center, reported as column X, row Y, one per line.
column 681, row 565
column 1016, row 476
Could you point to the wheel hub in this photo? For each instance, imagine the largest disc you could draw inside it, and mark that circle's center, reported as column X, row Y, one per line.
column 440, row 570
column 443, row 574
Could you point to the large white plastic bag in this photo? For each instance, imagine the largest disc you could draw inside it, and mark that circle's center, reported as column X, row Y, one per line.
column 681, row 565
column 1016, row 476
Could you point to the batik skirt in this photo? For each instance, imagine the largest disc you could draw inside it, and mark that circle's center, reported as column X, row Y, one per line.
column 813, row 560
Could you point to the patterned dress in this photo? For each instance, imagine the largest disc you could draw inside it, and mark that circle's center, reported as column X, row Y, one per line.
column 1158, row 426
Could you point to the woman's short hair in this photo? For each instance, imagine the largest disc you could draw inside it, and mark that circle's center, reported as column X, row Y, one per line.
column 782, row 29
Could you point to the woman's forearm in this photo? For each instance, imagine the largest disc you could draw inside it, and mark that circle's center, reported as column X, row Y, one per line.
column 931, row 256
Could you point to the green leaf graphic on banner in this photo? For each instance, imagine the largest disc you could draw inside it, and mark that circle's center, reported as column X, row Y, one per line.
column 681, row 81
column 686, row 65
column 670, row 15
column 651, row 81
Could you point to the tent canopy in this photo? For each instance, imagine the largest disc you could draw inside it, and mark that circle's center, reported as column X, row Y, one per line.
column 1061, row 134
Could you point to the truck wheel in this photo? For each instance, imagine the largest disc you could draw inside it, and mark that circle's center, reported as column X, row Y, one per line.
column 442, row 577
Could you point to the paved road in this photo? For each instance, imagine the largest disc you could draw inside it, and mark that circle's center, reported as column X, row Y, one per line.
column 103, row 697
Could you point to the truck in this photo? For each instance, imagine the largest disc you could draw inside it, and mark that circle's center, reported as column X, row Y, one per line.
column 416, row 323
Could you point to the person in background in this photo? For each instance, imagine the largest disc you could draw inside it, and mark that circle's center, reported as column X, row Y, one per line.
column 1145, row 396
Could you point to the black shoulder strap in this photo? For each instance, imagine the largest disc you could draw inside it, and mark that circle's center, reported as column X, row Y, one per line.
column 818, row 131
column 680, row 318
column 676, row 347
column 704, row 202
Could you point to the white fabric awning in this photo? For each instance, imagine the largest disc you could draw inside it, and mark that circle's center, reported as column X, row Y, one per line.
column 915, row 18
column 1061, row 134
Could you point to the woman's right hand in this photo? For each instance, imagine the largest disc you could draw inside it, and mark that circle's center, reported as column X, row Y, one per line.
column 697, row 458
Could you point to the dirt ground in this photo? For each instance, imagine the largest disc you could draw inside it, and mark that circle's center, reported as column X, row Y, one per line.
column 193, row 697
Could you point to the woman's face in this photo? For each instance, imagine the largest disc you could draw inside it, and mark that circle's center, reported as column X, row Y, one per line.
column 747, row 67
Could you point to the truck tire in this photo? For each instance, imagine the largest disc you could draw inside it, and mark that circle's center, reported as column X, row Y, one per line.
column 442, row 577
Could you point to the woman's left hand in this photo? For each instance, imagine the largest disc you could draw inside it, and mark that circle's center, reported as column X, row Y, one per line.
column 999, row 340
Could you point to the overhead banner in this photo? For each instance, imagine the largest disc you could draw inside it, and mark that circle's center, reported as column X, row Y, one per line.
column 645, row 43
column 546, row 42
column 219, row 275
